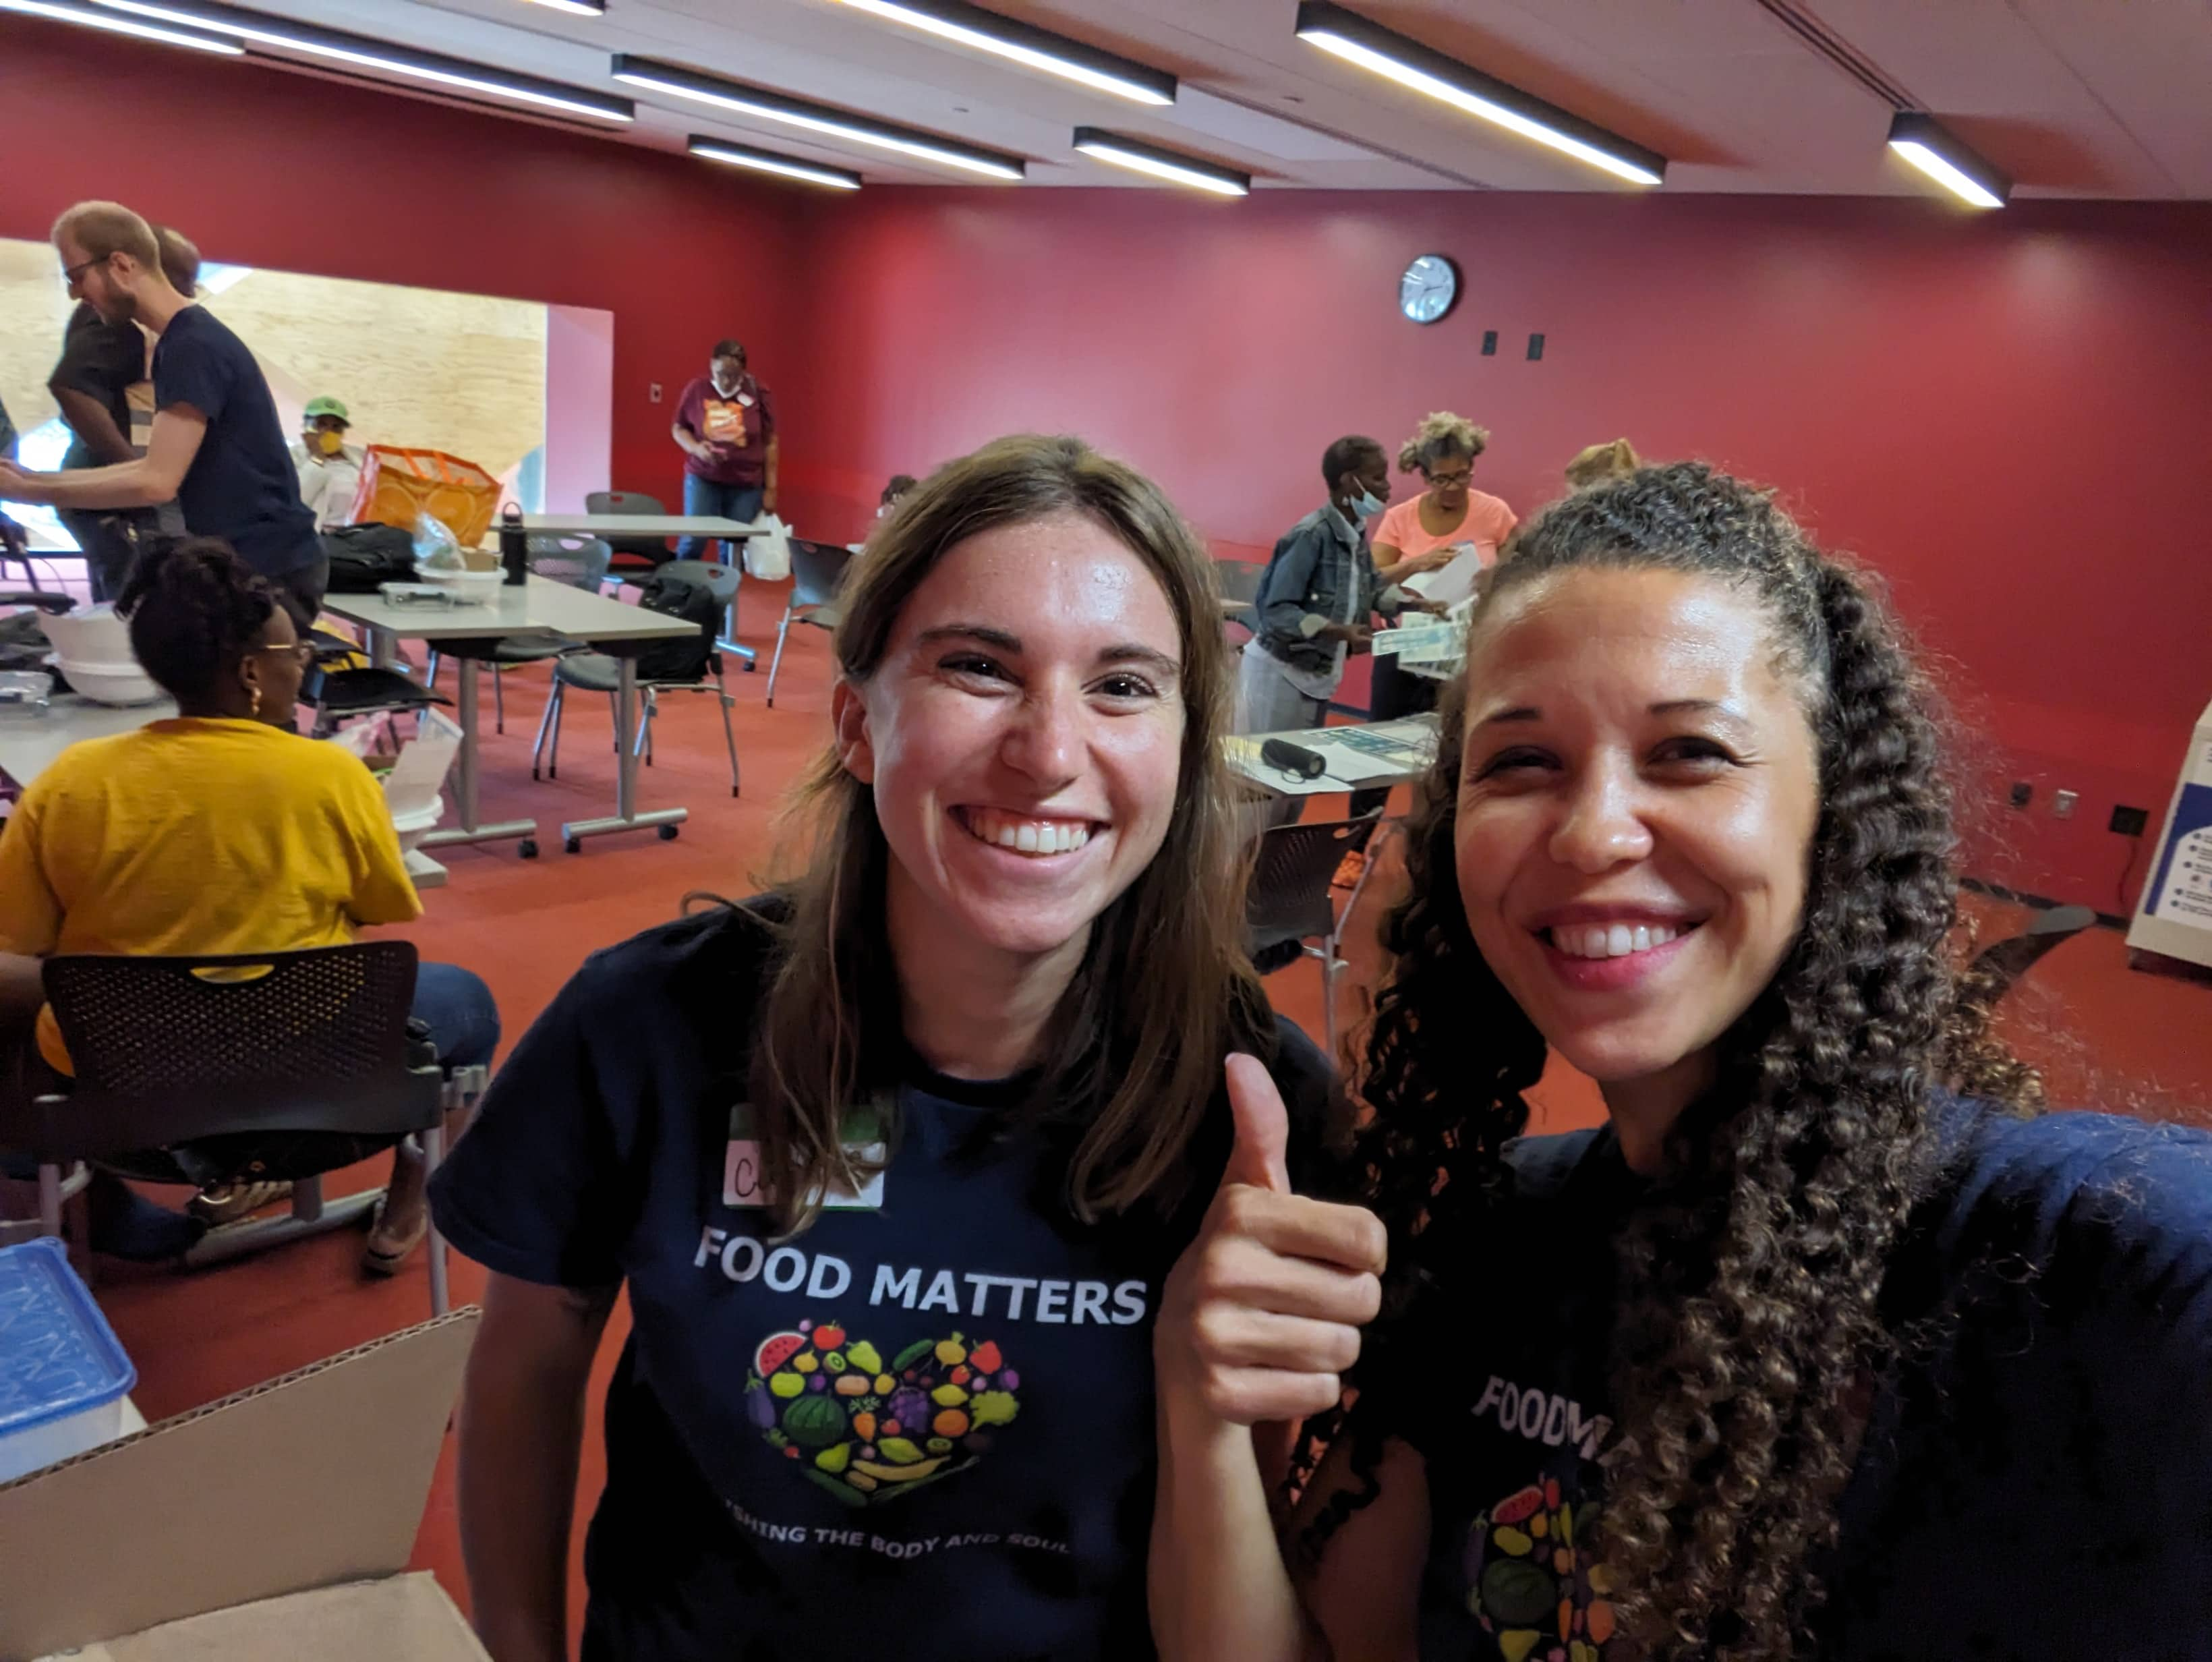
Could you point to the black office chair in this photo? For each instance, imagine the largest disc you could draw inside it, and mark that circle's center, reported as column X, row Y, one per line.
column 338, row 693
column 16, row 544
column 818, row 569
column 1290, row 903
column 1998, row 965
column 294, row 1064
column 636, row 555
column 580, row 562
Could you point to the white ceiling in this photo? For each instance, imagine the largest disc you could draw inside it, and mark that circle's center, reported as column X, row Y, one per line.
column 2108, row 99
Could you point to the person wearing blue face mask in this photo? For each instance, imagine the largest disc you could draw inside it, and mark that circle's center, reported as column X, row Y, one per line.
column 1317, row 604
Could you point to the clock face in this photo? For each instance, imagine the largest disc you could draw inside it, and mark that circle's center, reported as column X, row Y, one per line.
column 1427, row 290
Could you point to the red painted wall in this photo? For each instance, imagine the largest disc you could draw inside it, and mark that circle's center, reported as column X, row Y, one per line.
column 263, row 168
column 2008, row 415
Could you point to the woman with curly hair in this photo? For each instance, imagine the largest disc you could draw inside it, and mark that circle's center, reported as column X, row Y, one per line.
column 1826, row 1343
column 218, row 831
column 1427, row 532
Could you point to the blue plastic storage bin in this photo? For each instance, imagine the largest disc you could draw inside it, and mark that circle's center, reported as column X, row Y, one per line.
column 64, row 1378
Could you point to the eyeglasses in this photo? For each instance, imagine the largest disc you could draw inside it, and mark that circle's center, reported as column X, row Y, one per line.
column 71, row 273
column 302, row 652
column 1447, row 480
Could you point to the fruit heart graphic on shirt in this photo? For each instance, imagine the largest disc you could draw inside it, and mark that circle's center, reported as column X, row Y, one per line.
column 869, row 1429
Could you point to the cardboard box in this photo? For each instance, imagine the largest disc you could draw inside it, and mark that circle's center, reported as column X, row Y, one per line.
column 274, row 1525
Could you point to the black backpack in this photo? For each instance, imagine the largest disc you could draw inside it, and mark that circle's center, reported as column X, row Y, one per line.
column 364, row 558
column 679, row 658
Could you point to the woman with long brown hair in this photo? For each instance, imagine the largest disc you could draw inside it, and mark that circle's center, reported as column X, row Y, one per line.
column 1829, row 1343
column 893, row 1160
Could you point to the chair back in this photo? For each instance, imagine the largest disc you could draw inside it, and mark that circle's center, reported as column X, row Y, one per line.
column 1289, row 898
column 718, row 580
column 653, row 550
column 1997, row 966
column 172, row 1050
column 579, row 562
column 816, row 569
column 1240, row 580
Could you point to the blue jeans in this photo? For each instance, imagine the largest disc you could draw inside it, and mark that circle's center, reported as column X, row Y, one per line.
column 711, row 500
column 456, row 1007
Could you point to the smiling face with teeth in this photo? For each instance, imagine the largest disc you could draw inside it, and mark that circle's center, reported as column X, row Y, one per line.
column 1022, row 738
column 1638, row 790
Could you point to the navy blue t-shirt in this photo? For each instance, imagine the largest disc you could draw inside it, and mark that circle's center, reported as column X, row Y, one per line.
column 242, row 486
column 923, row 1427
column 2035, row 1479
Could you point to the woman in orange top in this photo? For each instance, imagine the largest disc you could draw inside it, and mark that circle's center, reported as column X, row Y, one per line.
column 1428, row 532
column 221, row 830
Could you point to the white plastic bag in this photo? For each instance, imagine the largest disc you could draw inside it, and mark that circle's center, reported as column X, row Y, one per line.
column 767, row 551
column 436, row 549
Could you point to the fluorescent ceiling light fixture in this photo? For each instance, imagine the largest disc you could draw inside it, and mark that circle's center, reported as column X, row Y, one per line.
column 108, row 21
column 1409, row 63
column 741, row 100
column 288, row 36
column 1161, row 164
column 767, row 161
column 581, row 8
column 983, row 31
column 1928, row 145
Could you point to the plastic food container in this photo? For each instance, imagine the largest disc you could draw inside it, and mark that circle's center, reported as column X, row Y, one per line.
column 469, row 587
column 111, row 684
column 63, row 1380
column 25, row 686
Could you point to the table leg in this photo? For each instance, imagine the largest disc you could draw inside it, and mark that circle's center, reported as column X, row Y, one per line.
column 464, row 769
column 626, row 817
column 733, row 555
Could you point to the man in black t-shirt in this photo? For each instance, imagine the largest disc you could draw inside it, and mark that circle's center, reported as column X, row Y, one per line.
column 91, row 384
column 217, row 445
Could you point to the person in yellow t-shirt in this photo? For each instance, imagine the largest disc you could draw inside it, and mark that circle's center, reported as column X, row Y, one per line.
column 219, row 831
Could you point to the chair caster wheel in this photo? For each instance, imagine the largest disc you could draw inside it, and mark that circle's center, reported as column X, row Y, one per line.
column 529, row 848
column 751, row 664
column 668, row 832
column 575, row 845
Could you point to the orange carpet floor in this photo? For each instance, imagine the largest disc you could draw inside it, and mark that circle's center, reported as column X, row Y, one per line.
column 2112, row 1038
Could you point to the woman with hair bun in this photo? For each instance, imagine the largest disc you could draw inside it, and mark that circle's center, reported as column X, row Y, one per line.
column 1428, row 532
column 1595, row 464
column 218, row 831
column 1829, row 1342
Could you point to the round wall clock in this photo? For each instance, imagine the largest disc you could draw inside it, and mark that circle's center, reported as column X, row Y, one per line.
column 1427, row 290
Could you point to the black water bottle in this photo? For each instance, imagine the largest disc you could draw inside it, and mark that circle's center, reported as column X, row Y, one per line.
column 513, row 546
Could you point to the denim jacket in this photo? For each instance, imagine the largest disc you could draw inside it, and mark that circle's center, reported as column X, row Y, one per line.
column 1304, row 591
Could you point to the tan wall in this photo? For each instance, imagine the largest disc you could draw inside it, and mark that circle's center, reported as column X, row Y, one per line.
column 459, row 373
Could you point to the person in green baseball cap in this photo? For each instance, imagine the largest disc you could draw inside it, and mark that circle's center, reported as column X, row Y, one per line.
column 329, row 467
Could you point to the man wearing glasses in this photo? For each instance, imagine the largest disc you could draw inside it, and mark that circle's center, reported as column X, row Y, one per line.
column 217, row 444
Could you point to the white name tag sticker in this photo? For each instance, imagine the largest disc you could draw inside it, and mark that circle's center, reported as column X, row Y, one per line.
column 743, row 1186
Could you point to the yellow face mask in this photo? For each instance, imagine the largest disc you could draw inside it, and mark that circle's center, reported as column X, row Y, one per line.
column 328, row 442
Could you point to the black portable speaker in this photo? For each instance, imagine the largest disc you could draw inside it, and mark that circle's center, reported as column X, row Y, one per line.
column 1292, row 758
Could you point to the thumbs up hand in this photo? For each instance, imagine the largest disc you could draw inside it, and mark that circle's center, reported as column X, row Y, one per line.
column 1262, row 1314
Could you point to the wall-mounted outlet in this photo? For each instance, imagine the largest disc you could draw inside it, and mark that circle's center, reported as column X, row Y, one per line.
column 2062, row 803
column 1535, row 348
column 1490, row 343
column 2129, row 822
column 2022, row 792
column 652, row 392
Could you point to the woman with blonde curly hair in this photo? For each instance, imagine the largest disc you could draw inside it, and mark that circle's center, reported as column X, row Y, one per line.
column 1428, row 532
column 1828, row 1344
